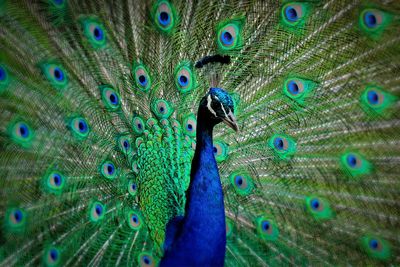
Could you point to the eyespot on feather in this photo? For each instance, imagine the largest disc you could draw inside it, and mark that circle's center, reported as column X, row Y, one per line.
column 164, row 16
column 373, row 22
column 110, row 98
column 229, row 34
column 124, row 144
column 266, row 228
column 96, row 211
column 220, row 150
column 318, row 207
column 162, row 109
column 132, row 188
column 189, row 125
column 242, row 182
column 79, row 127
column 55, row 74
column 185, row 80
column 377, row 102
column 94, row 32
column 146, row 259
column 134, row 220
column 15, row 219
column 376, row 247
column 21, row 133
column 52, row 256
column 53, row 182
column 108, row 170
column 142, row 77
column 282, row 145
column 354, row 164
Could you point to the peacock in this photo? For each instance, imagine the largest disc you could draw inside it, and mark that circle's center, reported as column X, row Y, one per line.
column 199, row 133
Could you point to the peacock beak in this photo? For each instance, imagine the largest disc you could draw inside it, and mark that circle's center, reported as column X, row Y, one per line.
column 230, row 120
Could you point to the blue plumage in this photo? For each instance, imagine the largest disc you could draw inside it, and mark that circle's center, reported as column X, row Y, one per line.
column 199, row 238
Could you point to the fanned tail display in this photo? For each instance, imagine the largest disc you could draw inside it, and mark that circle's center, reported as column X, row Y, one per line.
column 99, row 109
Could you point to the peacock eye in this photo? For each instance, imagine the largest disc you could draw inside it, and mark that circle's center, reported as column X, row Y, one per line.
column 220, row 150
column 108, row 170
column 376, row 247
column 55, row 74
column 16, row 219
column 280, row 143
column 315, row 205
column 52, row 256
column 110, row 98
column 146, row 259
column 17, row 216
column 56, row 179
column 162, row 109
column 58, row 74
column 142, row 77
column 138, row 125
column 23, row 130
column 54, row 182
column 134, row 220
column 267, row 229
column 353, row 161
column 293, row 13
column 21, row 133
column 124, row 144
column 164, row 19
column 319, row 208
column 265, row 225
column 132, row 188
column 242, row 183
column 375, row 98
column 98, row 33
column 374, row 244
column 164, row 16
column 228, row 35
column 239, row 181
column 295, row 87
column 184, row 77
column 97, row 212
column 135, row 167
column 94, row 32
column 190, row 124
column 355, row 164
column 79, row 127
column 372, row 19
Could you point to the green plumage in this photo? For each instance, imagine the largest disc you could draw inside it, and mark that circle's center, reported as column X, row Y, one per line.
column 98, row 106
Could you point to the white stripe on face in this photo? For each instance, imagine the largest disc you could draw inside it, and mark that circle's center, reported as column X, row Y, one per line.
column 209, row 100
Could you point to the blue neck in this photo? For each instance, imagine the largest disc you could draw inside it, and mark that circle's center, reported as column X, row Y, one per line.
column 201, row 237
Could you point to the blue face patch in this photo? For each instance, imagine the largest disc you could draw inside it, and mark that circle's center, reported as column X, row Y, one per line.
column 223, row 97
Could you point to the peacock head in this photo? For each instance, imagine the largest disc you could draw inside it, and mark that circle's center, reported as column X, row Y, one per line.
column 218, row 106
